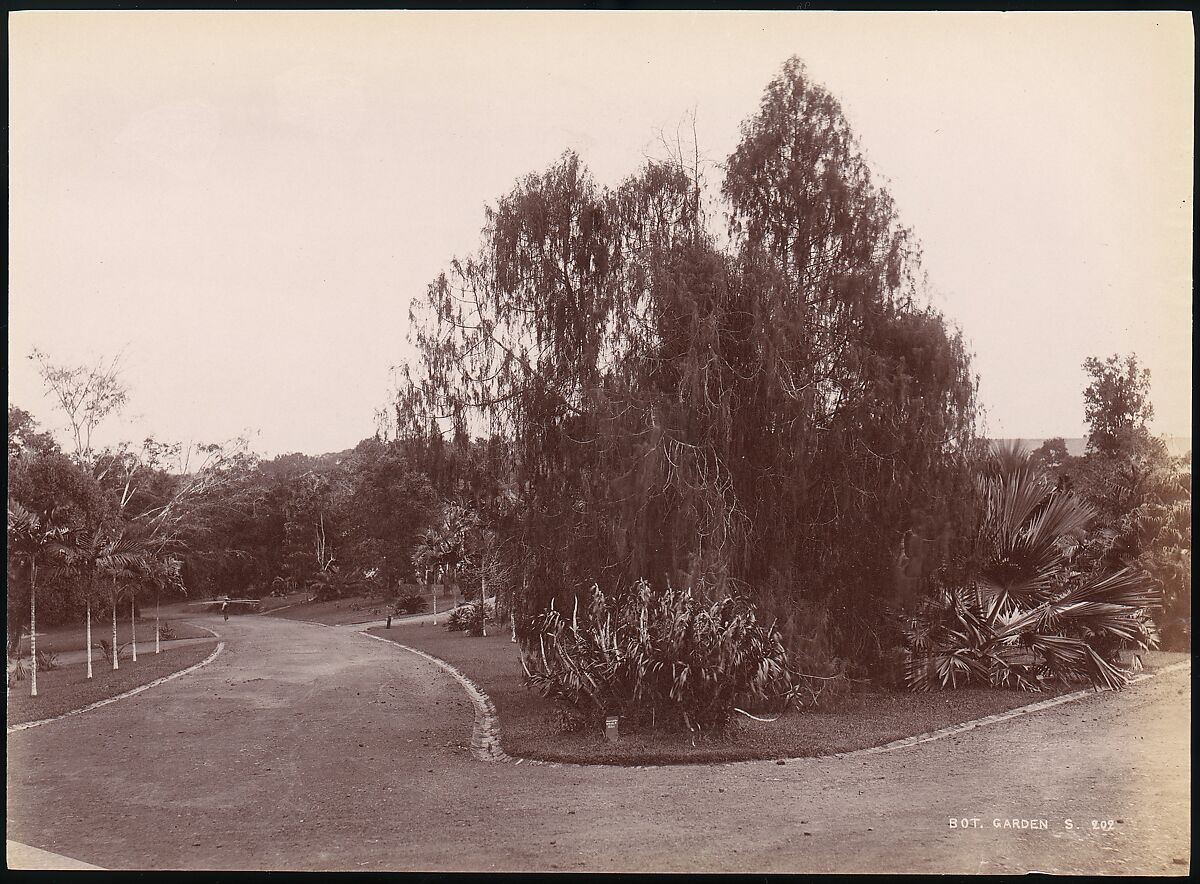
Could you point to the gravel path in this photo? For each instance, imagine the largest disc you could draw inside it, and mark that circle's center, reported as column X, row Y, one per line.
column 311, row 748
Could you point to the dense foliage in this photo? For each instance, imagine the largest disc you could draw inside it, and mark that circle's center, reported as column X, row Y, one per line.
column 1142, row 495
column 656, row 658
column 210, row 520
column 1116, row 402
column 1024, row 605
column 779, row 418
column 471, row 618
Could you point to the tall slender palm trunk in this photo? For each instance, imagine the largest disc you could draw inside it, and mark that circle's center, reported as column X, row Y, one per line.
column 157, row 628
column 32, row 628
column 115, row 664
column 89, row 637
column 132, row 627
column 512, row 613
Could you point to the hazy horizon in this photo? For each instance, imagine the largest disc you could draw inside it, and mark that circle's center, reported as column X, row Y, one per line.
column 243, row 203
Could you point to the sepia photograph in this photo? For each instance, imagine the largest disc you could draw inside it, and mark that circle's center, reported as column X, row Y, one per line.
column 608, row 441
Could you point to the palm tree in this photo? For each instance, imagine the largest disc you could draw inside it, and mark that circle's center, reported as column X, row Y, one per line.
column 1016, row 612
column 99, row 555
column 449, row 544
column 31, row 539
column 162, row 572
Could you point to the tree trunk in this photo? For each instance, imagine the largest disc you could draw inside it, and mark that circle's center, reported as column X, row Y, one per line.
column 32, row 628
column 483, row 601
column 157, row 628
column 89, row 637
column 133, row 626
column 113, row 598
column 512, row 609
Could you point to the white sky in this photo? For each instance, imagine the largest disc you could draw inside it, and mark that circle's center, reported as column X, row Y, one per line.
column 244, row 203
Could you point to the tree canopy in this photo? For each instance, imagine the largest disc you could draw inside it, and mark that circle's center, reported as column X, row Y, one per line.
column 780, row 417
column 1116, row 402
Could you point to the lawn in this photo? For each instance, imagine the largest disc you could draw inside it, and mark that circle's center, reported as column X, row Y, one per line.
column 530, row 726
column 271, row 602
column 73, row 636
column 68, row 687
column 357, row 609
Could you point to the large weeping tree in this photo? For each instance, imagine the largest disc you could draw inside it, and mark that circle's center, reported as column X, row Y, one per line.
column 780, row 418
column 873, row 388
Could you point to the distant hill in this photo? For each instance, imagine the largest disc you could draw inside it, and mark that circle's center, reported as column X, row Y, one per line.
column 1176, row 445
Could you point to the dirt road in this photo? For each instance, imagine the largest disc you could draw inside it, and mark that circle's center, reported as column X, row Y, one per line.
column 313, row 748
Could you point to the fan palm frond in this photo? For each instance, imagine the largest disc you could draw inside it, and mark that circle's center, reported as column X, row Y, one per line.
column 1022, row 615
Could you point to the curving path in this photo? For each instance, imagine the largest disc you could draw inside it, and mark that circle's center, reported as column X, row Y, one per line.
column 314, row 748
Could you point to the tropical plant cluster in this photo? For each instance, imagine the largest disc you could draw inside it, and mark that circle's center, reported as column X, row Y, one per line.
column 664, row 659
column 472, row 617
column 1142, row 494
column 409, row 603
column 1025, row 606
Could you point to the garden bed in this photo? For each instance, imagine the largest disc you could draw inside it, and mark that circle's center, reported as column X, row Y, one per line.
column 68, row 687
column 531, row 728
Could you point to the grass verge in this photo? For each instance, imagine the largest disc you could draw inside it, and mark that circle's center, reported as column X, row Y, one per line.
column 530, row 725
column 269, row 603
column 68, row 687
column 73, row 636
column 354, row 609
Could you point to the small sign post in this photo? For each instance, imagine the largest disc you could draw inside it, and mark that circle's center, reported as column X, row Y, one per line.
column 610, row 729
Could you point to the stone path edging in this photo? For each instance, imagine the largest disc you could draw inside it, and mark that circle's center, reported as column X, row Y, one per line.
column 137, row 690
column 485, row 741
column 485, row 737
column 995, row 719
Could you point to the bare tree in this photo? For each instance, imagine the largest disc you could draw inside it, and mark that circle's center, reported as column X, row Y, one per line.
column 86, row 395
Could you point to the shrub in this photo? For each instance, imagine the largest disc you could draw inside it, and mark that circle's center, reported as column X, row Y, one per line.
column 327, row 585
column 412, row 603
column 47, row 661
column 471, row 617
column 663, row 659
column 166, row 632
column 106, row 650
column 17, row 672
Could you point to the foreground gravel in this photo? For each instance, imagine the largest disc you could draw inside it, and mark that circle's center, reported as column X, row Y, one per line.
column 312, row 748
